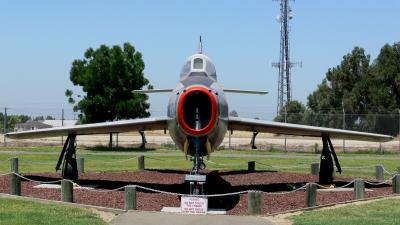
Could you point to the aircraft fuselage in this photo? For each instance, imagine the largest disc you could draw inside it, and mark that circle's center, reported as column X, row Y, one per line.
column 197, row 108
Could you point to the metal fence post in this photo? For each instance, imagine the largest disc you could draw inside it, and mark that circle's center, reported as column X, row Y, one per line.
column 81, row 165
column 254, row 202
column 311, row 194
column 130, row 197
column 141, row 162
column 229, row 136
column 15, row 186
column 251, row 166
column 5, row 126
column 396, row 184
column 379, row 172
column 314, row 168
column 359, row 189
column 15, row 181
column 14, row 165
column 344, row 127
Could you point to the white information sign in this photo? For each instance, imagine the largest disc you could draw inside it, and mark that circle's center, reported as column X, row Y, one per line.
column 194, row 205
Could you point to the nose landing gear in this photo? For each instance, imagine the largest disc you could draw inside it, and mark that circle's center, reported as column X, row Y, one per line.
column 197, row 181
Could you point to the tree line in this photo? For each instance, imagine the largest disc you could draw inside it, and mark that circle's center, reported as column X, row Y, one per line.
column 361, row 88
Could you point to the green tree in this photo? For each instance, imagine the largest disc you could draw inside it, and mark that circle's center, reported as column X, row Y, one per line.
column 107, row 77
column 50, row 118
column 14, row 119
column 386, row 71
column 345, row 86
column 294, row 113
column 362, row 89
column 385, row 90
column 1, row 122
column 39, row 118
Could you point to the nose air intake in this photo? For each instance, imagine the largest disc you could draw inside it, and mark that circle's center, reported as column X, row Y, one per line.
column 197, row 111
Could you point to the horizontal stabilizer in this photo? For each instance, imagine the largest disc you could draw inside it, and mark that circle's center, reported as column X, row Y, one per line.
column 153, row 91
column 246, row 91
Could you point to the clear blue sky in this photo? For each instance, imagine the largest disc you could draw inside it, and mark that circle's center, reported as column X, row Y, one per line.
column 40, row 39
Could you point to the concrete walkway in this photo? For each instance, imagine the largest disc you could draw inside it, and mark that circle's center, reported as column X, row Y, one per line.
column 147, row 218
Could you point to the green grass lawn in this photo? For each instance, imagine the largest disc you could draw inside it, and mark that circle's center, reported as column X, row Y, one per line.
column 379, row 212
column 16, row 211
column 43, row 159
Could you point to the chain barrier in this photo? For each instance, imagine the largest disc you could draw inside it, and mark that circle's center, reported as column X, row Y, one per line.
column 357, row 167
column 164, row 160
column 206, row 196
column 359, row 170
column 149, row 157
column 391, row 174
column 223, row 164
column 388, row 181
column 263, row 164
column 286, row 192
column 36, row 181
column 343, row 186
column 120, row 161
column 37, row 162
column 5, row 160
column 290, row 167
column 100, row 191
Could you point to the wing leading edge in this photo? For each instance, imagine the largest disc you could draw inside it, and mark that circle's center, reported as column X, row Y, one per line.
column 244, row 124
column 156, row 123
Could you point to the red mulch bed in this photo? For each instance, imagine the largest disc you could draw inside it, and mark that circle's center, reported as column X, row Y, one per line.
column 173, row 181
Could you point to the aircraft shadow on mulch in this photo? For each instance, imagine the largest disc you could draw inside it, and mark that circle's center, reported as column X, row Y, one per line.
column 215, row 185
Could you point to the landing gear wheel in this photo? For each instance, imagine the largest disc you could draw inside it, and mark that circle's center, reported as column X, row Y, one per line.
column 196, row 188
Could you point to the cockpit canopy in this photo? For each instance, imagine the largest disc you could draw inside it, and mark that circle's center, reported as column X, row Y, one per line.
column 199, row 63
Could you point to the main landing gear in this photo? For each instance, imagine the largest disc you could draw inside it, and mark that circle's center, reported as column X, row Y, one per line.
column 253, row 140
column 67, row 159
column 326, row 164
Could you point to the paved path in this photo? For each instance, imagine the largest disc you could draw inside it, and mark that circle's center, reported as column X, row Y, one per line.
column 145, row 218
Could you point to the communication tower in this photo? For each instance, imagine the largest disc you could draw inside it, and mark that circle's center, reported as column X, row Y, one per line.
column 284, row 65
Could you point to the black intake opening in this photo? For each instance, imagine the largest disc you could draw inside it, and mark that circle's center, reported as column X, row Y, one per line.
column 200, row 102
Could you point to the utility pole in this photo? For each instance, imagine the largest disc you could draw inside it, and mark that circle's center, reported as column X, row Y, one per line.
column 285, row 122
column 398, row 134
column 344, row 126
column 5, row 125
column 284, row 65
column 62, row 124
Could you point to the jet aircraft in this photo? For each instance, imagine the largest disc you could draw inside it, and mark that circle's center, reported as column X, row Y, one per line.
column 197, row 120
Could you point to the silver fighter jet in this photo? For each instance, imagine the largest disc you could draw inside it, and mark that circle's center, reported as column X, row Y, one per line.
column 197, row 121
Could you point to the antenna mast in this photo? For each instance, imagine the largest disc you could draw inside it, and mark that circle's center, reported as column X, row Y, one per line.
column 284, row 65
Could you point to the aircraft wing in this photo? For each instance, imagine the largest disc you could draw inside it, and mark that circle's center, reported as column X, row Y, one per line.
column 244, row 124
column 156, row 123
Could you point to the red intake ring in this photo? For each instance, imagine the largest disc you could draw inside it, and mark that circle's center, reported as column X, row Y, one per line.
column 213, row 114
